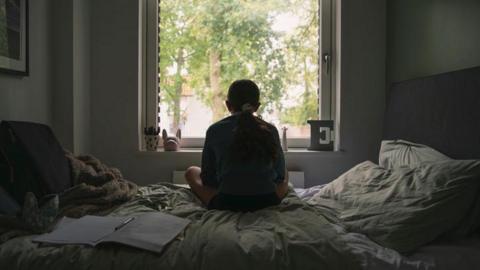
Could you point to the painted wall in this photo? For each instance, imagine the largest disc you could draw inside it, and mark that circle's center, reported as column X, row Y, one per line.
column 81, row 76
column 62, row 56
column 115, row 108
column 71, row 73
column 432, row 36
column 29, row 98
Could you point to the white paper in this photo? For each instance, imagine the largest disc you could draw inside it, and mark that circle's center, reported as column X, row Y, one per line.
column 86, row 230
column 149, row 231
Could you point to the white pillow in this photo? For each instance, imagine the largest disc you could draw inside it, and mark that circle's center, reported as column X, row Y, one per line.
column 399, row 153
column 406, row 207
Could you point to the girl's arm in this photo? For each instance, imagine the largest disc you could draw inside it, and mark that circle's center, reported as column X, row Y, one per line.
column 280, row 167
column 208, row 172
column 282, row 188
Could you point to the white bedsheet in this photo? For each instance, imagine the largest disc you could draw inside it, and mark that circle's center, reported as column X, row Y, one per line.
column 307, row 193
column 462, row 254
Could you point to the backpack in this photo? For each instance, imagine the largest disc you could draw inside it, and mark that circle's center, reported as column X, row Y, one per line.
column 31, row 160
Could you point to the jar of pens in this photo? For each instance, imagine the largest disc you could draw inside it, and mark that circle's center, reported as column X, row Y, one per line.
column 151, row 138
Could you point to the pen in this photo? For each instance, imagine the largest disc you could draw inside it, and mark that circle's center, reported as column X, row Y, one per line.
column 124, row 223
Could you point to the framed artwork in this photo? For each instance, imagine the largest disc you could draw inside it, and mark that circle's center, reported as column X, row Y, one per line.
column 14, row 37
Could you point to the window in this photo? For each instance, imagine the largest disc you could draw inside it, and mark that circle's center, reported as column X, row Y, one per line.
column 204, row 45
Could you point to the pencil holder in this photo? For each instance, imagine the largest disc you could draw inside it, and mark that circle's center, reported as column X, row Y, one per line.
column 151, row 137
column 151, row 142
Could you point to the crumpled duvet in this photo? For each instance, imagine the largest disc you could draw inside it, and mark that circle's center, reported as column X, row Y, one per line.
column 292, row 235
column 405, row 208
column 333, row 229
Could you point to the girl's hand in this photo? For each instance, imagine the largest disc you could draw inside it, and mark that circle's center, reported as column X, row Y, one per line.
column 282, row 189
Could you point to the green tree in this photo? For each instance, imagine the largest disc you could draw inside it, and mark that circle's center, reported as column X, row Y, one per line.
column 302, row 62
column 207, row 44
column 176, row 18
column 211, row 43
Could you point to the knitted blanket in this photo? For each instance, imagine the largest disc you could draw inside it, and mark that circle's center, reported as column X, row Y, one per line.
column 97, row 188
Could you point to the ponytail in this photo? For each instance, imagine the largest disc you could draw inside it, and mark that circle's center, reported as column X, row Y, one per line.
column 253, row 138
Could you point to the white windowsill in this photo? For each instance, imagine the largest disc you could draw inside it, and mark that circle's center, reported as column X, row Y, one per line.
column 189, row 151
column 305, row 151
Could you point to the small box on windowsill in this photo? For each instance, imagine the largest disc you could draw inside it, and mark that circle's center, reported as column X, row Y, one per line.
column 321, row 135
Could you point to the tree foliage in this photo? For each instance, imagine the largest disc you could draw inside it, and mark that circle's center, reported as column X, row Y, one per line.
column 207, row 44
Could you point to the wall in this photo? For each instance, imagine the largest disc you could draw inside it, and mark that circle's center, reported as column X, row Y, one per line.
column 62, row 56
column 29, row 98
column 81, row 76
column 114, row 94
column 432, row 36
column 57, row 91
column 71, row 73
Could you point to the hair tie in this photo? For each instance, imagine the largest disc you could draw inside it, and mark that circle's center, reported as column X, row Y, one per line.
column 247, row 107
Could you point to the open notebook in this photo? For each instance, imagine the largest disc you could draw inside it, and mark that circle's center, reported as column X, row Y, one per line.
column 149, row 231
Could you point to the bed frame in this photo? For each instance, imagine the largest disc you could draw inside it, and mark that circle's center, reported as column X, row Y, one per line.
column 441, row 111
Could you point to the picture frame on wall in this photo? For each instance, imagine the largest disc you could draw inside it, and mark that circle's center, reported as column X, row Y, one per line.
column 14, row 37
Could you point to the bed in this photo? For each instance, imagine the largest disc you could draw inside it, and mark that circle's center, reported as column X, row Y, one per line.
column 312, row 228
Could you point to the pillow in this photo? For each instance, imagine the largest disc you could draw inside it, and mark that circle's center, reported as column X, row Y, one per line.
column 405, row 207
column 397, row 153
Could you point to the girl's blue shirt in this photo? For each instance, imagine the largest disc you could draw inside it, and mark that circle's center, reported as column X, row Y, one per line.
column 253, row 177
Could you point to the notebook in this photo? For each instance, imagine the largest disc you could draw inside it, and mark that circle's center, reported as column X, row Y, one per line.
column 149, row 231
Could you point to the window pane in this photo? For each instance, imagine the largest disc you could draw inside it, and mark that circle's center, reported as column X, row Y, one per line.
column 207, row 44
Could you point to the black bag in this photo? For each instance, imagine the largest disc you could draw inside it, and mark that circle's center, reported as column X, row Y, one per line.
column 8, row 206
column 31, row 160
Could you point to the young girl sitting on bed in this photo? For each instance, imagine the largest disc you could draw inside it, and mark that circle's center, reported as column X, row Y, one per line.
column 243, row 167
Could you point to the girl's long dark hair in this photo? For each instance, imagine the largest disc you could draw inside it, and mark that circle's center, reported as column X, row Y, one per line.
column 253, row 138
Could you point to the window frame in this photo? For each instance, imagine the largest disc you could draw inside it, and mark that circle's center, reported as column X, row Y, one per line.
column 328, row 69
